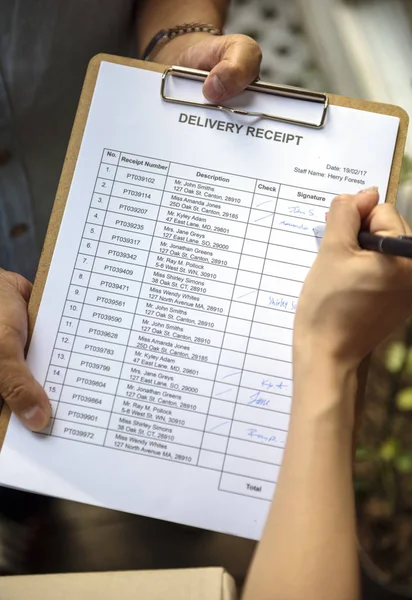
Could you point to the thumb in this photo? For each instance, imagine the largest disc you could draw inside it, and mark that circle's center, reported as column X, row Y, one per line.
column 25, row 397
column 237, row 59
column 346, row 215
column 23, row 394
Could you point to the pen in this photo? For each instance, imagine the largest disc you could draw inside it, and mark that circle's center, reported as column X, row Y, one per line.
column 395, row 246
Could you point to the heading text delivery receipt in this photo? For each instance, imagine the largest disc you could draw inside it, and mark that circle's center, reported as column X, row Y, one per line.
column 164, row 335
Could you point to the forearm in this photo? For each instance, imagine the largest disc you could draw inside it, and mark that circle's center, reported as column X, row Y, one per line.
column 308, row 549
column 162, row 14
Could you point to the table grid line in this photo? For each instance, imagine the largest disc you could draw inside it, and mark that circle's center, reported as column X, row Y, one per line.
column 224, row 332
column 137, row 303
column 148, row 369
column 244, row 360
column 67, row 293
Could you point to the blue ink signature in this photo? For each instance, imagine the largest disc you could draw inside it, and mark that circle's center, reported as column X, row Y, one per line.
column 282, row 303
column 266, row 383
column 258, row 400
column 301, row 227
column 298, row 210
column 268, row 439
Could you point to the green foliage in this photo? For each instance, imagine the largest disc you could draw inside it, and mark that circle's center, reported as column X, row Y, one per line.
column 363, row 454
column 383, row 470
column 404, row 399
column 403, row 463
column 406, row 172
column 389, row 450
column 408, row 365
column 395, row 357
column 361, row 485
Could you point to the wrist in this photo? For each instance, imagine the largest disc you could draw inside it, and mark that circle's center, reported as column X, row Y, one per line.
column 325, row 389
column 171, row 51
column 332, row 348
column 154, row 15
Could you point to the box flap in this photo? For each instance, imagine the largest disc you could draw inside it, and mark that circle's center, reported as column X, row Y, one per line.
column 181, row 584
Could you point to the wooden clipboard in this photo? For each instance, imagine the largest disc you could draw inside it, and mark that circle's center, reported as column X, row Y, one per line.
column 74, row 148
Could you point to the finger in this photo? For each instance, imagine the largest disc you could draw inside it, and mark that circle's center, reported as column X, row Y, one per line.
column 19, row 389
column 408, row 230
column 385, row 220
column 24, row 395
column 237, row 59
column 17, row 283
column 345, row 217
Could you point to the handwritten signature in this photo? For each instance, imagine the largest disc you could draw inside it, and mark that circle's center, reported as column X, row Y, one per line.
column 268, row 439
column 300, row 226
column 258, row 400
column 298, row 210
column 282, row 303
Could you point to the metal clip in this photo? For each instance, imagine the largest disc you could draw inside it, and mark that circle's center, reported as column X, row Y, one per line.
column 257, row 86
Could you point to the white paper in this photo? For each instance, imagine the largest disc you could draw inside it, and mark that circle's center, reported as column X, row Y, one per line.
column 171, row 397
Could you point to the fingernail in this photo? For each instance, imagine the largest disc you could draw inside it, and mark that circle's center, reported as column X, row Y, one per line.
column 217, row 88
column 35, row 418
column 369, row 190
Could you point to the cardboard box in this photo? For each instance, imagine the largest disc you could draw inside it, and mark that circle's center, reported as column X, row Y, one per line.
column 181, row 584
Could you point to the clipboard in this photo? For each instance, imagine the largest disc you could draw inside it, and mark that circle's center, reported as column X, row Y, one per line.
column 323, row 99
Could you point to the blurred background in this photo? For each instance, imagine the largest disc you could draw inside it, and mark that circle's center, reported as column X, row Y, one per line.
column 360, row 48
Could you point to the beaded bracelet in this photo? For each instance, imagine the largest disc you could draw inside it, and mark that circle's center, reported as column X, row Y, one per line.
column 165, row 35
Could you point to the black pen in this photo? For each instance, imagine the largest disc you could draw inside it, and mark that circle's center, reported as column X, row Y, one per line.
column 395, row 246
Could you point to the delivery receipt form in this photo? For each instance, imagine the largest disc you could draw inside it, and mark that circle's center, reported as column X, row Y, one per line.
column 165, row 342
column 171, row 318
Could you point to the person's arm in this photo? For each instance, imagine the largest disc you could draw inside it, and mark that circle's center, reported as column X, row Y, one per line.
column 164, row 14
column 308, row 549
column 233, row 60
column 351, row 300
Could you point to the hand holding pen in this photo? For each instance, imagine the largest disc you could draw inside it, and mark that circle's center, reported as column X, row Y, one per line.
column 353, row 298
column 400, row 245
